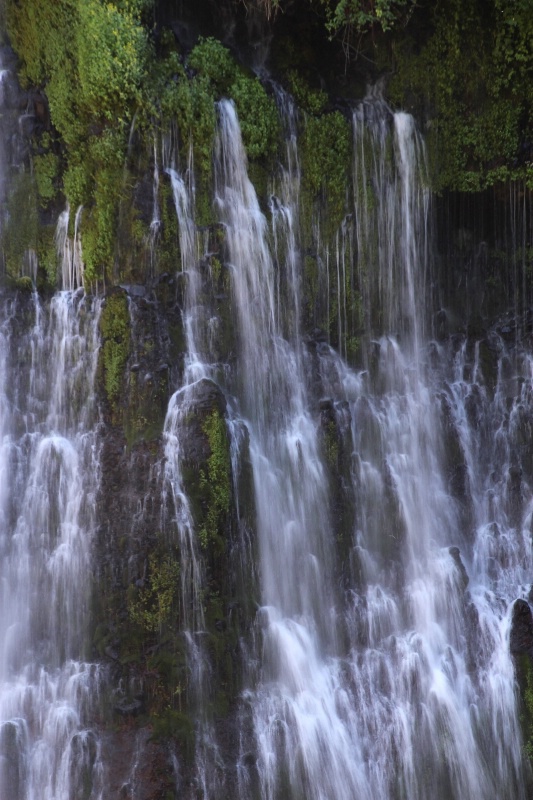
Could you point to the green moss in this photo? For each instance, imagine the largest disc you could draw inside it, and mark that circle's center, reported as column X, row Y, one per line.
column 92, row 102
column 258, row 117
column 214, row 62
column 215, row 482
column 361, row 16
column 313, row 101
column 22, row 226
column 116, row 335
column 215, row 268
column 325, row 154
column 101, row 221
column 111, row 83
column 24, row 284
column 144, row 415
column 46, row 170
column 217, row 75
column 466, row 73
column 153, row 605
column 171, row 724
column 524, row 668
column 331, row 444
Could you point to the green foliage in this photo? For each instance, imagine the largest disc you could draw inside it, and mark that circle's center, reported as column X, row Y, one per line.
column 101, row 76
column 258, row 117
column 112, row 49
column 216, row 483
column 203, row 122
column 214, row 62
column 152, row 607
column 187, row 95
column 175, row 96
column 217, row 75
column 24, row 284
column 47, row 255
column 471, row 79
column 21, row 228
column 362, row 15
column 45, row 170
column 77, row 182
column 94, row 79
column 313, row 101
column 98, row 235
column 326, row 152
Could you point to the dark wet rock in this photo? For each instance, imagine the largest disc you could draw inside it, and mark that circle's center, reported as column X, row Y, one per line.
column 456, row 556
column 319, row 335
column 138, row 766
column 199, row 401
column 112, row 653
column 27, row 123
column 521, row 639
column 128, row 707
column 515, row 477
column 12, row 768
column 474, row 405
column 135, row 290
column 441, row 325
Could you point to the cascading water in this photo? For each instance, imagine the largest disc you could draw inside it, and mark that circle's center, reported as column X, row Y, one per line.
column 49, row 470
column 303, row 745
column 378, row 666
column 405, row 686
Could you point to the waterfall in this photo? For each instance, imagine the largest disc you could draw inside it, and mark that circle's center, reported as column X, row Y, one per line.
column 402, row 684
column 381, row 533
column 300, row 735
column 49, row 469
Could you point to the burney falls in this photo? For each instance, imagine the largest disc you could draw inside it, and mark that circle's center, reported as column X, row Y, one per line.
column 266, row 400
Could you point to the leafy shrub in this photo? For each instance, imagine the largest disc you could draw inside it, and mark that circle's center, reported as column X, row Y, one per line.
column 258, row 117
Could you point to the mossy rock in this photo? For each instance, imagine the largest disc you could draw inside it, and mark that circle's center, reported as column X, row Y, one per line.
column 115, row 329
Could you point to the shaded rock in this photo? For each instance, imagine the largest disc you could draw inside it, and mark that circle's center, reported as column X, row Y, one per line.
column 12, row 768
column 521, row 640
column 456, row 556
column 126, row 707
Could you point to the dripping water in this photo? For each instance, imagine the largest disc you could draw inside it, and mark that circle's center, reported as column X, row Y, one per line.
column 68, row 250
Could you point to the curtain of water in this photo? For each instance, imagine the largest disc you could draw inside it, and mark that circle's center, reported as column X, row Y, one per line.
column 404, row 687
column 393, row 683
column 49, row 478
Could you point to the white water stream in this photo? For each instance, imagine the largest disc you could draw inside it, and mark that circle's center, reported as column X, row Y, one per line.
column 49, row 477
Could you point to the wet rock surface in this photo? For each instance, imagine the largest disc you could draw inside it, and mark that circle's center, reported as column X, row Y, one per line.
column 521, row 639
